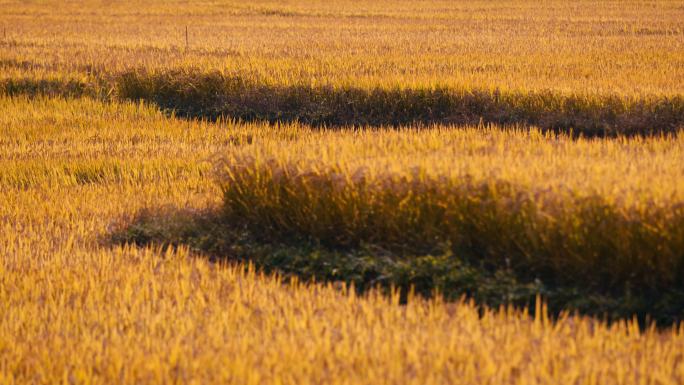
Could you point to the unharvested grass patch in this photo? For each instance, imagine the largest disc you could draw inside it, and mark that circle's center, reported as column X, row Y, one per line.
column 601, row 216
column 195, row 93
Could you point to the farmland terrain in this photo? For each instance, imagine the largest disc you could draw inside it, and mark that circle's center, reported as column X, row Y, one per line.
column 341, row 192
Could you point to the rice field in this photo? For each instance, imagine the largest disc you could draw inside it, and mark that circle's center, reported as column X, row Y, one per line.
column 603, row 68
column 311, row 192
column 625, row 47
column 604, row 213
column 79, row 310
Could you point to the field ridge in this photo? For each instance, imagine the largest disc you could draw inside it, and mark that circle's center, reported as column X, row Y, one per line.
column 209, row 95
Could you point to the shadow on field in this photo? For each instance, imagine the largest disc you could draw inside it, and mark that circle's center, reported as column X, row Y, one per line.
column 63, row 88
column 197, row 94
column 370, row 266
column 192, row 93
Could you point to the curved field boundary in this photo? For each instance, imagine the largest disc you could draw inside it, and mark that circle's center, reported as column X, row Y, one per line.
column 197, row 94
column 581, row 252
column 214, row 94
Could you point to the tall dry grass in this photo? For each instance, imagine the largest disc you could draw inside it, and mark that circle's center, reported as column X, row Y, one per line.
column 599, row 68
column 79, row 311
column 596, row 221
column 602, row 215
column 627, row 47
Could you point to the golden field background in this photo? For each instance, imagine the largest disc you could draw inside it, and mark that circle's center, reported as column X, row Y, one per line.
column 601, row 68
column 77, row 309
column 624, row 47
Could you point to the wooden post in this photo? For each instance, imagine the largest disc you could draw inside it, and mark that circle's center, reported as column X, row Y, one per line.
column 187, row 43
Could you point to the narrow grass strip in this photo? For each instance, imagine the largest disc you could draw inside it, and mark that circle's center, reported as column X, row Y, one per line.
column 211, row 94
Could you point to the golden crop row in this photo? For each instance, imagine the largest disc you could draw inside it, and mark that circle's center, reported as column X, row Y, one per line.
column 78, row 310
